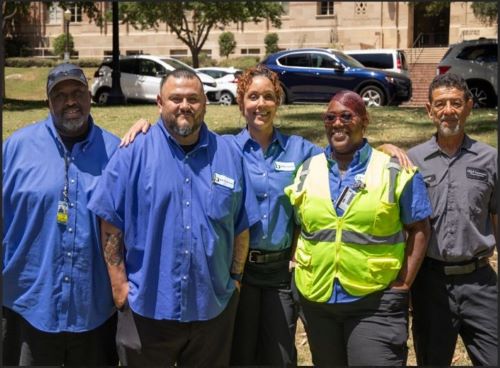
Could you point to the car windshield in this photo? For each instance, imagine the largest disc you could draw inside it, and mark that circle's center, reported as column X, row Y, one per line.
column 176, row 64
column 349, row 60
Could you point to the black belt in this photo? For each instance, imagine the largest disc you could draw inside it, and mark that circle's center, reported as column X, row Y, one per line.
column 259, row 256
column 457, row 268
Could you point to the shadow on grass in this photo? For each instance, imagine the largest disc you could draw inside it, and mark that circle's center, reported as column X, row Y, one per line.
column 10, row 104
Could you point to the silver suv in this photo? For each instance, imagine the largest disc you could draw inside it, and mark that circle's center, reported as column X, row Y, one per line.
column 476, row 61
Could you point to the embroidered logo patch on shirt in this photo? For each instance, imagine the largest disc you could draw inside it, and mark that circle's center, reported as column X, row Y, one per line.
column 223, row 181
column 284, row 166
column 476, row 173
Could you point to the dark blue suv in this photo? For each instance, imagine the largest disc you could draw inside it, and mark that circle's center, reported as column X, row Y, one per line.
column 314, row 75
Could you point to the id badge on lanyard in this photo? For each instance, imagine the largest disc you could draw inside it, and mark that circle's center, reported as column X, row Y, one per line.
column 62, row 205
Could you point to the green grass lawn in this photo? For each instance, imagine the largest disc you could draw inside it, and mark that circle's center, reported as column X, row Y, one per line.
column 26, row 103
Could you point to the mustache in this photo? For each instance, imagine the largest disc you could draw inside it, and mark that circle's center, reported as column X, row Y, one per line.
column 452, row 118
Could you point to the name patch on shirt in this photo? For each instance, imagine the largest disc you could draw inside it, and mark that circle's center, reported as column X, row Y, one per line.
column 476, row 173
column 223, row 180
column 284, row 166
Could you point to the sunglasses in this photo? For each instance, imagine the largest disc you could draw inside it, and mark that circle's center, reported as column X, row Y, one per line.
column 330, row 118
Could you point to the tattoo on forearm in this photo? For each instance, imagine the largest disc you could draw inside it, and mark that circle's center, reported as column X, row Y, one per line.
column 113, row 248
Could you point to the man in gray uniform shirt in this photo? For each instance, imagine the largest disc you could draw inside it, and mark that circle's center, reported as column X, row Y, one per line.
column 455, row 292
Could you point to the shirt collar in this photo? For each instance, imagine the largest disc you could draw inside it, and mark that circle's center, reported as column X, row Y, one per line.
column 434, row 149
column 202, row 142
column 360, row 157
column 49, row 123
column 244, row 138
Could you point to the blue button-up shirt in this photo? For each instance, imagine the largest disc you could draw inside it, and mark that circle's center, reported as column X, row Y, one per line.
column 54, row 275
column 414, row 204
column 179, row 213
column 270, row 172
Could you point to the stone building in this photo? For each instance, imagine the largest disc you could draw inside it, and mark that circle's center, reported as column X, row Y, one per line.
column 337, row 24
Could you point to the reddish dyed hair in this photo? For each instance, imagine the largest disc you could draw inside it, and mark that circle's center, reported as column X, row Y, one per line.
column 245, row 80
column 352, row 101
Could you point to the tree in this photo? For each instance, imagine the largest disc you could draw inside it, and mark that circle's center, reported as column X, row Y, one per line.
column 10, row 11
column 227, row 44
column 192, row 21
column 486, row 12
column 60, row 45
column 271, row 41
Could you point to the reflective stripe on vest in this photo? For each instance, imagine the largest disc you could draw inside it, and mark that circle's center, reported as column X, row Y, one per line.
column 364, row 248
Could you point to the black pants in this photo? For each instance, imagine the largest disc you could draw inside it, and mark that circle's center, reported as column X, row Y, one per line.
column 11, row 341
column 91, row 348
column 264, row 331
column 447, row 306
column 369, row 332
column 166, row 343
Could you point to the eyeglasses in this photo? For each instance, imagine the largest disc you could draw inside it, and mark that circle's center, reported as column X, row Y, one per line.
column 330, row 118
column 442, row 104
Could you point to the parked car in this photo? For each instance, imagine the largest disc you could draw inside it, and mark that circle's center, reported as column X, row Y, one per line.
column 314, row 75
column 226, row 79
column 388, row 59
column 140, row 78
column 476, row 61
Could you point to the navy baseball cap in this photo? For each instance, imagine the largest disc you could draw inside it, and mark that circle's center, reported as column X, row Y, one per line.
column 65, row 71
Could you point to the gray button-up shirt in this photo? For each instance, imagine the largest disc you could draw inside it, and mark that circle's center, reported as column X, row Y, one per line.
column 462, row 190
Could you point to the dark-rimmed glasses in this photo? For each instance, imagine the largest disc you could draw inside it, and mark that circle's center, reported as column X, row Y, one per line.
column 330, row 118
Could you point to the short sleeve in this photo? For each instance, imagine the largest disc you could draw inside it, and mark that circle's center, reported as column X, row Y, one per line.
column 414, row 202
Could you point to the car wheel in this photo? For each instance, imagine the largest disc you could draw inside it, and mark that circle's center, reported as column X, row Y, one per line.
column 101, row 97
column 226, row 98
column 372, row 96
column 481, row 95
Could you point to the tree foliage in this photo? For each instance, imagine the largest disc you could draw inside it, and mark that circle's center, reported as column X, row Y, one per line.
column 10, row 11
column 486, row 12
column 271, row 42
column 227, row 44
column 192, row 21
column 60, row 45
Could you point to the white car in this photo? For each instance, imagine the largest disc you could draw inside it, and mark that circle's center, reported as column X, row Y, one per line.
column 227, row 79
column 388, row 59
column 140, row 77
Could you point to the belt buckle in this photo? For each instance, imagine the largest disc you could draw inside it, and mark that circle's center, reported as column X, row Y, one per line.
column 460, row 269
column 252, row 255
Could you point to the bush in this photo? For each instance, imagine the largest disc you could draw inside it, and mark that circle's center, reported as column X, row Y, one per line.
column 227, row 44
column 87, row 62
column 60, row 45
column 242, row 62
column 28, row 62
column 271, row 41
column 15, row 47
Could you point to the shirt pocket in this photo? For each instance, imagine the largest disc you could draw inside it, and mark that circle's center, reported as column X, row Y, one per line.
column 220, row 202
column 384, row 269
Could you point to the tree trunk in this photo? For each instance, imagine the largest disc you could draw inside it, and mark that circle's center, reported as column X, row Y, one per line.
column 195, row 57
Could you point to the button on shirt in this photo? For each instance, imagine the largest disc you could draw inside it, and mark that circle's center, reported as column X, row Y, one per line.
column 414, row 204
column 270, row 172
column 54, row 274
column 179, row 213
column 462, row 190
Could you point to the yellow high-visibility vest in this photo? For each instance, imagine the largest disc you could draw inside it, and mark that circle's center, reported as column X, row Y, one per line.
column 364, row 249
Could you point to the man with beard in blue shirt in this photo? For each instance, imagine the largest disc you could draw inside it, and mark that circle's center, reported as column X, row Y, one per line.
column 56, row 291
column 175, row 210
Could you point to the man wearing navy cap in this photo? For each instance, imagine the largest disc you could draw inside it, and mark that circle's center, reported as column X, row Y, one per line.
column 56, row 289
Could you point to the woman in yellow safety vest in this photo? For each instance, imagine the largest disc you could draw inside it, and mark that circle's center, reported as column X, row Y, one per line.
column 364, row 231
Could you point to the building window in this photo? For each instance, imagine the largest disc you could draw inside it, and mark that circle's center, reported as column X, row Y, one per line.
column 178, row 53
column 325, row 7
column 360, row 7
column 76, row 13
column 250, row 51
column 55, row 14
column 207, row 52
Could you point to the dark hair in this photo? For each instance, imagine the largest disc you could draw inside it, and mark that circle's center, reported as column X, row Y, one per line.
column 178, row 74
column 451, row 80
column 249, row 74
column 353, row 101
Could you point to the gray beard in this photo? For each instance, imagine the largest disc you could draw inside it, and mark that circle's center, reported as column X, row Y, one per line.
column 71, row 126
